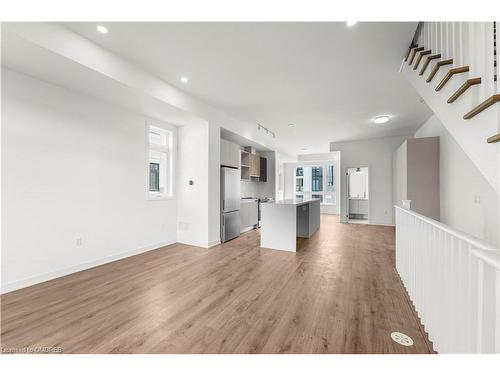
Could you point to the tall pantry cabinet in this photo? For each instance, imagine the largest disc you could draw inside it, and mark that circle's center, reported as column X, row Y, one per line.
column 416, row 175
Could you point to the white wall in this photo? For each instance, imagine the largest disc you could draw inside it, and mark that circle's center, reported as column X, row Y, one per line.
column 213, row 176
column 70, row 47
column 376, row 154
column 280, row 166
column 73, row 167
column 193, row 199
column 468, row 202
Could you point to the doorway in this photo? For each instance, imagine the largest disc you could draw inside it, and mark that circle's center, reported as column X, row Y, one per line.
column 358, row 195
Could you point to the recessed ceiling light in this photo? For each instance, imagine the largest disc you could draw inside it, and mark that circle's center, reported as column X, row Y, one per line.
column 351, row 23
column 102, row 29
column 291, row 125
column 184, row 79
column 304, row 149
column 381, row 119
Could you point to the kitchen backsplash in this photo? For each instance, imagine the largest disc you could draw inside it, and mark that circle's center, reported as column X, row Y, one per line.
column 250, row 189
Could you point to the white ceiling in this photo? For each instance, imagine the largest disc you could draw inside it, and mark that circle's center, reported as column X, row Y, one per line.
column 327, row 79
column 239, row 140
column 22, row 56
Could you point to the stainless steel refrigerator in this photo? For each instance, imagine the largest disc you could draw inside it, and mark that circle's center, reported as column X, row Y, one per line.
column 230, row 203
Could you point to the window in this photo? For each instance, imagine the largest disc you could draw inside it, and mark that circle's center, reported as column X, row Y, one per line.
column 330, row 175
column 316, row 181
column 299, row 184
column 330, row 197
column 299, row 179
column 320, row 196
column 159, row 163
column 154, row 177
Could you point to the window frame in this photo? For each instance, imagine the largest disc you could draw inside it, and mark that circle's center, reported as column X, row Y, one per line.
column 167, row 150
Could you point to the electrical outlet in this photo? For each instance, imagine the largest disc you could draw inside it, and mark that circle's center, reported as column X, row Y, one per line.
column 477, row 199
column 78, row 242
column 163, row 226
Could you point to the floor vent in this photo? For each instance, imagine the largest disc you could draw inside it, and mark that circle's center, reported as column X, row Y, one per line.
column 401, row 338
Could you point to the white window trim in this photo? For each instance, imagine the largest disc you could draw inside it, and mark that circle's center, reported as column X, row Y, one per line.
column 168, row 150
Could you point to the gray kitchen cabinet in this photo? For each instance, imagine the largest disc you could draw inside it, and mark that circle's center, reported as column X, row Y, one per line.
column 249, row 214
column 416, row 175
column 229, row 154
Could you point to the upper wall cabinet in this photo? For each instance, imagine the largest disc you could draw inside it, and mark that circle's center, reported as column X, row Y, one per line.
column 254, row 165
column 263, row 170
column 229, row 154
column 416, row 175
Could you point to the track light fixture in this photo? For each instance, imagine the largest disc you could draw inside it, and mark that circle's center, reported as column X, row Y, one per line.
column 267, row 130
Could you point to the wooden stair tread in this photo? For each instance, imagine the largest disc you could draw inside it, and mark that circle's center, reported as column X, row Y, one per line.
column 482, row 106
column 415, row 50
column 470, row 82
column 438, row 65
column 420, row 55
column 451, row 73
column 408, row 52
column 427, row 61
column 494, row 138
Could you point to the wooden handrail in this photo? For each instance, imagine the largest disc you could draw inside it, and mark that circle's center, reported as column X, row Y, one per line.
column 463, row 88
column 438, row 65
column 427, row 61
column 421, row 54
column 415, row 50
column 494, row 138
column 450, row 74
column 481, row 107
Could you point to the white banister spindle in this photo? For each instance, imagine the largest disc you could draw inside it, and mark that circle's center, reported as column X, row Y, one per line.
column 479, row 307
column 497, row 309
column 444, row 273
column 449, row 260
column 471, row 300
column 450, row 36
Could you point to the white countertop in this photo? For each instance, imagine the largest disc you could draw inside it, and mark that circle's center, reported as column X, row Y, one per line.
column 294, row 202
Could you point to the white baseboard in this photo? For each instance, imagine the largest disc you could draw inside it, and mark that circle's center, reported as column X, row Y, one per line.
column 205, row 245
column 213, row 243
column 19, row 284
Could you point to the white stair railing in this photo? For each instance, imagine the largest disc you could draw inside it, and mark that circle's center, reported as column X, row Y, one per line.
column 453, row 280
column 467, row 43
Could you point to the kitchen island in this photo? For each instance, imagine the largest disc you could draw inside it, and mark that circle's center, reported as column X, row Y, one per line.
column 283, row 221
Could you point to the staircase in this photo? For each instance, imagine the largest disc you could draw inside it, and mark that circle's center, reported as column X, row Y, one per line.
column 453, row 67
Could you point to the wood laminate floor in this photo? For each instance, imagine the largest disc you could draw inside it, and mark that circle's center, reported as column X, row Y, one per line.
column 339, row 293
